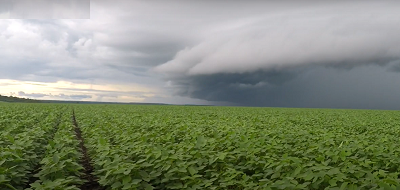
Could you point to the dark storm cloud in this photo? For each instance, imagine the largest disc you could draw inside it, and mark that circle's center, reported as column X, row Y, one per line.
column 312, row 56
column 217, row 87
column 365, row 87
column 261, row 88
column 394, row 66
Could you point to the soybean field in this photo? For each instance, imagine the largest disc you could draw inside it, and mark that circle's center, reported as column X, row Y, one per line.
column 107, row 146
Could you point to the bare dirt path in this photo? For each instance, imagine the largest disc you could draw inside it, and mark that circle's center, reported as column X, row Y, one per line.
column 91, row 183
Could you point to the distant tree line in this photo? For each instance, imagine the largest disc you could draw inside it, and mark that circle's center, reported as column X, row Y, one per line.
column 16, row 99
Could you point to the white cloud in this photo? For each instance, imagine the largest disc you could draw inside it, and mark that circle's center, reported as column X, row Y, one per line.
column 5, row 15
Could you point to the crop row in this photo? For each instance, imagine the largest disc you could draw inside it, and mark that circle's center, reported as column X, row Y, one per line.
column 183, row 147
column 38, row 148
column 156, row 147
column 60, row 168
column 22, row 142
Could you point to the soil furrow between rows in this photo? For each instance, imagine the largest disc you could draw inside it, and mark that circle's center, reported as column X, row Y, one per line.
column 91, row 180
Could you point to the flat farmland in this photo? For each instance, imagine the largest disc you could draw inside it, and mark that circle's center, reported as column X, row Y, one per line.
column 73, row 146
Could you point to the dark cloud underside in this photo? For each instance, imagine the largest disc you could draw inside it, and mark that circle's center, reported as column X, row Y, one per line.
column 331, row 54
column 367, row 87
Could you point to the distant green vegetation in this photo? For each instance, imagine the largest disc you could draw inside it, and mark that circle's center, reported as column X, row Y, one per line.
column 191, row 147
column 16, row 99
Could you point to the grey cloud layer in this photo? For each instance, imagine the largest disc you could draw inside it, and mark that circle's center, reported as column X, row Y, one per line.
column 268, row 60
column 45, row 50
column 258, row 53
column 45, row 9
column 310, row 36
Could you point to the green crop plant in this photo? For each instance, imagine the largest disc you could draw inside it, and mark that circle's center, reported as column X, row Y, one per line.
column 183, row 147
column 60, row 168
column 190, row 147
column 22, row 145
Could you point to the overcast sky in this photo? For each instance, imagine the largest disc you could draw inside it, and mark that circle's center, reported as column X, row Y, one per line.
column 329, row 54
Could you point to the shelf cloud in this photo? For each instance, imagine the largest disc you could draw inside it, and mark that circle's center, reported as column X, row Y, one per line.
column 256, row 63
